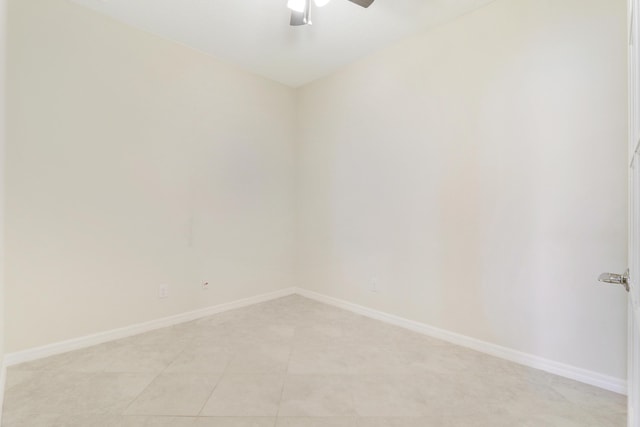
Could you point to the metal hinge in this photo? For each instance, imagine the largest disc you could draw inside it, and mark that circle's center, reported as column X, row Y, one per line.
column 616, row 279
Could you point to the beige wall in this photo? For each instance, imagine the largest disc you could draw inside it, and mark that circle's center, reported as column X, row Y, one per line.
column 134, row 162
column 477, row 172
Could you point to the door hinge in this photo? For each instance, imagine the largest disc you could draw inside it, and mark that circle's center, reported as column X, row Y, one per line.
column 616, row 279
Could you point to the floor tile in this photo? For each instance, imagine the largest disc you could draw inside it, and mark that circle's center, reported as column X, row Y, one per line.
column 92, row 359
column 74, row 393
column 174, row 394
column 388, row 395
column 369, row 359
column 129, row 421
column 40, row 395
column 107, row 393
column 16, row 376
column 142, row 358
column 235, row 422
column 259, row 332
column 201, row 359
column 30, row 420
column 588, row 396
column 316, row 422
column 317, row 396
column 172, row 337
column 265, row 358
column 318, row 359
column 245, row 395
column 401, row 422
column 111, row 421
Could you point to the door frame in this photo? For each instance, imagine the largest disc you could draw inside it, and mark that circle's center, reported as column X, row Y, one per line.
column 633, row 360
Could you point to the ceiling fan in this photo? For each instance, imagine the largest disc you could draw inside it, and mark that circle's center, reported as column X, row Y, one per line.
column 301, row 9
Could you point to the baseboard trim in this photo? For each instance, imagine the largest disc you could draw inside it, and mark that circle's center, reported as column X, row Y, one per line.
column 3, row 382
column 28, row 355
column 606, row 382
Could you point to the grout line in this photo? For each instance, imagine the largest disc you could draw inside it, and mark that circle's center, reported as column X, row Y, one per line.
column 139, row 394
column 154, row 378
column 286, row 373
column 220, row 377
column 210, row 395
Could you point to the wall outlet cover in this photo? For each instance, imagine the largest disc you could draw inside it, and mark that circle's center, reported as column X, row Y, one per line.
column 163, row 291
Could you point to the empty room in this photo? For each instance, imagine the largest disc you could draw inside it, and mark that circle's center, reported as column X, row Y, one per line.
column 313, row 213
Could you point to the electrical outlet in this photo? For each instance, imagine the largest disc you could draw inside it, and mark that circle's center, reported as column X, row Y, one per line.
column 205, row 286
column 163, row 291
column 373, row 285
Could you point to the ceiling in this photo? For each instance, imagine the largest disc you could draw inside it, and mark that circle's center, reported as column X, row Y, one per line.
column 256, row 35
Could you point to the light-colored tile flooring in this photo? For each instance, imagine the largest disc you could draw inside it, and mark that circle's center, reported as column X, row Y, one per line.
column 294, row 362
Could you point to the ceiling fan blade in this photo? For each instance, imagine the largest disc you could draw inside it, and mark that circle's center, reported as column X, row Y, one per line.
column 363, row 3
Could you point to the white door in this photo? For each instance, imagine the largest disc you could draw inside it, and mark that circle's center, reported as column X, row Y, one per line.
column 634, row 214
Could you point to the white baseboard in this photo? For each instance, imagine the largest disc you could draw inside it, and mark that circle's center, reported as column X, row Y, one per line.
column 606, row 382
column 16, row 358
column 3, row 382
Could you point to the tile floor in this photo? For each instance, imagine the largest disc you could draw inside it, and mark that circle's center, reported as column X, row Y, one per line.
column 294, row 362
